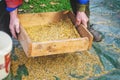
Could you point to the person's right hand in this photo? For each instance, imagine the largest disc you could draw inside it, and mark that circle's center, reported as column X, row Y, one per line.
column 14, row 24
column 81, row 18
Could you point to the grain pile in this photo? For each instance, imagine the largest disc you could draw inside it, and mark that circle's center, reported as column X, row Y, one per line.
column 64, row 66
column 64, row 29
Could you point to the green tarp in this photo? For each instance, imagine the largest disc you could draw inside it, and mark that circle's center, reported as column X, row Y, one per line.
column 105, row 15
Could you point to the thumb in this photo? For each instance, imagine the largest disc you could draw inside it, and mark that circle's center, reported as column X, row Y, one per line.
column 85, row 24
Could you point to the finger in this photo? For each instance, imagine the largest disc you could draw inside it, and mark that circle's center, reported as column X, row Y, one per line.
column 84, row 23
column 78, row 22
column 12, row 30
column 17, row 28
column 13, row 34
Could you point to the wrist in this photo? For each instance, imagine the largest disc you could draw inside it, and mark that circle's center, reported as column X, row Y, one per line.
column 79, row 12
column 13, row 14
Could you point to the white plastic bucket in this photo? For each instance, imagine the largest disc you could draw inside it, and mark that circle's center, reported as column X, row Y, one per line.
column 5, row 49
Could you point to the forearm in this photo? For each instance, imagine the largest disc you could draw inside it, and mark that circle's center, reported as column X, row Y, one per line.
column 12, row 6
column 14, row 23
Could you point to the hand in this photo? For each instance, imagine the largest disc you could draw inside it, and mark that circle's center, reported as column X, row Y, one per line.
column 14, row 24
column 81, row 18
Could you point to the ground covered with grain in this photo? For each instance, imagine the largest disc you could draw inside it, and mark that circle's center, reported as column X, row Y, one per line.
column 64, row 67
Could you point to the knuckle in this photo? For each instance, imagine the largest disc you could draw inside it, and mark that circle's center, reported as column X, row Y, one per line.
column 86, row 20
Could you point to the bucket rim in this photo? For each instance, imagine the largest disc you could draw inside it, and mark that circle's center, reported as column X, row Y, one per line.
column 7, row 49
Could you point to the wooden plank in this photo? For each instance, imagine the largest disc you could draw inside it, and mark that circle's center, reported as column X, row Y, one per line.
column 25, row 41
column 34, row 19
column 81, row 29
column 85, row 33
column 59, row 47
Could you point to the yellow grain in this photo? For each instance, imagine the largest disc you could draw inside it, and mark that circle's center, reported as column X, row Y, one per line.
column 44, row 68
column 64, row 29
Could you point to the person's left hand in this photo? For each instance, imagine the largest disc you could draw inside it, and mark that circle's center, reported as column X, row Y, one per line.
column 81, row 18
column 14, row 24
